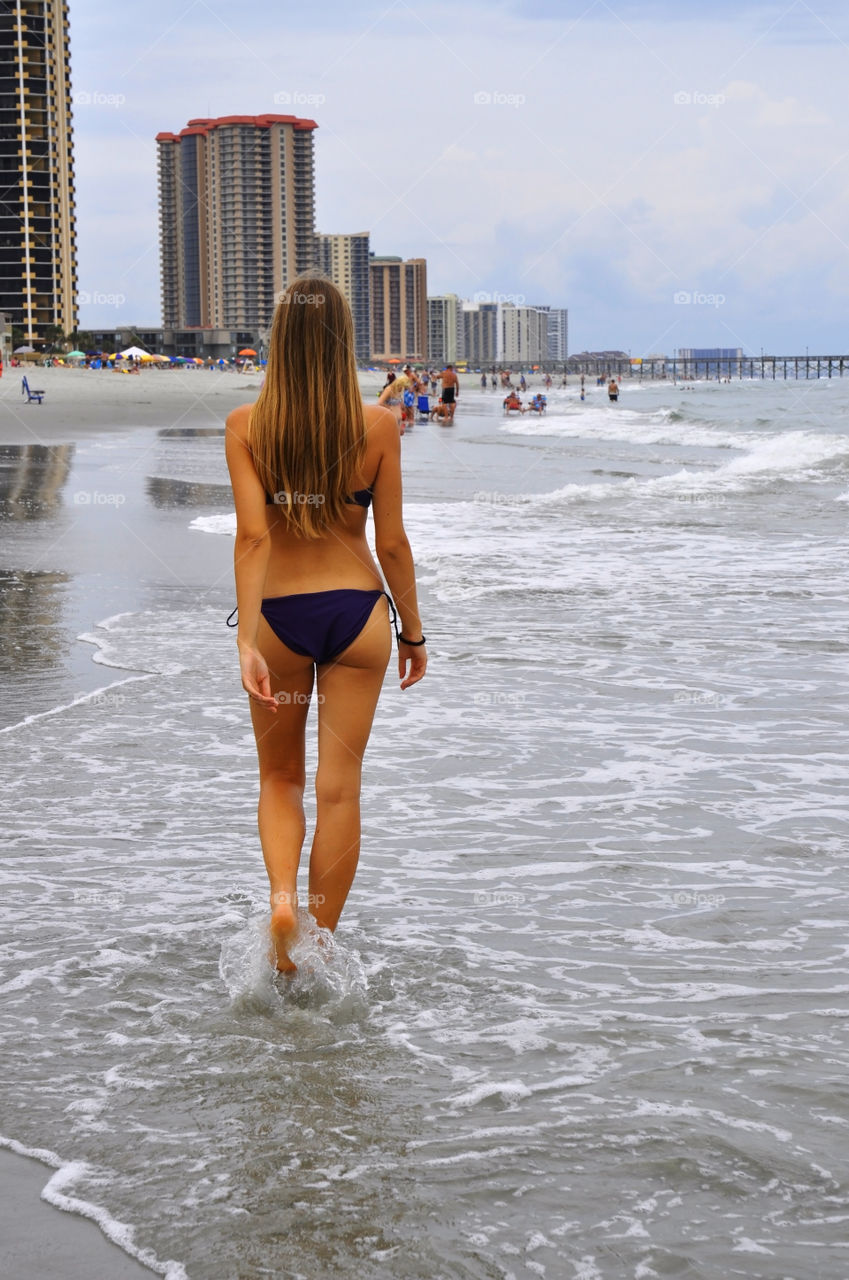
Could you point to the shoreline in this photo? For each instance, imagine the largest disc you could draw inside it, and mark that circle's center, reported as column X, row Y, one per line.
column 41, row 1241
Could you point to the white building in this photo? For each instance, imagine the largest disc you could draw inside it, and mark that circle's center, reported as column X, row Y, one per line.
column 445, row 332
column 523, row 335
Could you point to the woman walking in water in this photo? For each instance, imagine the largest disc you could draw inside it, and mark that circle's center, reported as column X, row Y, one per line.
column 306, row 461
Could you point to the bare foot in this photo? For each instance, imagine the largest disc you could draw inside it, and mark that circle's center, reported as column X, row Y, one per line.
column 283, row 928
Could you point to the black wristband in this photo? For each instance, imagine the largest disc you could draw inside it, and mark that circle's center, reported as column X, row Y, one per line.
column 415, row 643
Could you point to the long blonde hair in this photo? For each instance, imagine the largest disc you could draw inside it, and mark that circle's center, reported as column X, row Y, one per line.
column 307, row 428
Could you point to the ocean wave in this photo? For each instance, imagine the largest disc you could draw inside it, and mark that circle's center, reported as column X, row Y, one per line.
column 664, row 426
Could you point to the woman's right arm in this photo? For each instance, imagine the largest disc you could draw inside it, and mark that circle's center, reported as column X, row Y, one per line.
column 250, row 556
column 392, row 547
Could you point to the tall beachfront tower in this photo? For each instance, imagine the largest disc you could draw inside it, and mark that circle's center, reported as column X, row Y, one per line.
column 38, row 268
column 345, row 259
column 236, row 218
column 398, row 309
column 445, row 331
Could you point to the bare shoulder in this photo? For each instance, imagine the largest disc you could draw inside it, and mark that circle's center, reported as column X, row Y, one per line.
column 237, row 421
column 381, row 423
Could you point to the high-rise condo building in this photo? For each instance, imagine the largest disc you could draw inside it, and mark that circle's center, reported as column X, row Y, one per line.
column 480, row 333
column 523, row 333
column 445, row 336
column 38, row 270
column 398, row 309
column 345, row 260
column 558, row 333
column 236, row 218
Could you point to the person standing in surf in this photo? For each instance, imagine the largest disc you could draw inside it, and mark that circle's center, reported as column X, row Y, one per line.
column 306, row 461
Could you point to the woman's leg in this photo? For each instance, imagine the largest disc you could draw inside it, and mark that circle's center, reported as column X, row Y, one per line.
column 280, row 747
column 348, row 690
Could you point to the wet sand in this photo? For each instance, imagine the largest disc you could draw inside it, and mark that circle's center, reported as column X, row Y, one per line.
column 37, row 1240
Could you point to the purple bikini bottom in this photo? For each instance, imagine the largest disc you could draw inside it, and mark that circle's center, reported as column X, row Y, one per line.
column 319, row 624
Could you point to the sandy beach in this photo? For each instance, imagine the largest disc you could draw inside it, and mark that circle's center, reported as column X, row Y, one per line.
column 83, row 402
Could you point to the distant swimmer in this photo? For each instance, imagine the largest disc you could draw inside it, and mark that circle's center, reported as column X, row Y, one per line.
column 613, row 390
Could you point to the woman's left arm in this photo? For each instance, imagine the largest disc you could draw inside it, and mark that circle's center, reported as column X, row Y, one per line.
column 252, row 550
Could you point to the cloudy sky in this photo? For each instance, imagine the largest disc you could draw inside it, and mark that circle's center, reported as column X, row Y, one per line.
column 674, row 173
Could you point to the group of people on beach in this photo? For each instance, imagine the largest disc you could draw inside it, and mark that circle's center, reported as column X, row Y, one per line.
column 406, row 393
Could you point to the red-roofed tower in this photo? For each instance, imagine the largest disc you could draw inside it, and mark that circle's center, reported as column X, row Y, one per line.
column 236, row 217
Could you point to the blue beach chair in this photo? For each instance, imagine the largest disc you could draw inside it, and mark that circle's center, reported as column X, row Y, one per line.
column 31, row 395
column 423, row 408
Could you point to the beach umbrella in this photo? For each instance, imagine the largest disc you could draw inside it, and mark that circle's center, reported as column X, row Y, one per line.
column 22, row 351
column 75, row 355
column 248, row 351
column 135, row 352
